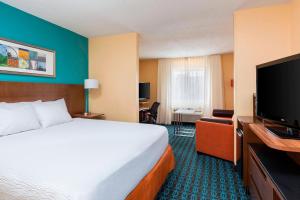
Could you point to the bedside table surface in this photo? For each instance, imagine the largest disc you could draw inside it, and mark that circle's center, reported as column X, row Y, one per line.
column 89, row 116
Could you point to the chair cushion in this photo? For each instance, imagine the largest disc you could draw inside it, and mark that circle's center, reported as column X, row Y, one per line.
column 217, row 120
column 223, row 113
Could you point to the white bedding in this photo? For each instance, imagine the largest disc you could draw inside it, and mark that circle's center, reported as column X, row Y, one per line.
column 79, row 160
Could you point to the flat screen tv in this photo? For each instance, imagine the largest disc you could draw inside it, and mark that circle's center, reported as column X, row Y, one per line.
column 278, row 94
column 144, row 91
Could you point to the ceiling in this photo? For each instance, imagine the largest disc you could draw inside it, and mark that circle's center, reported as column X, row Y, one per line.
column 167, row 28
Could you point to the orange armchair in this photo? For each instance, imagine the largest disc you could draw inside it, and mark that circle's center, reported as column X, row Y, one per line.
column 215, row 136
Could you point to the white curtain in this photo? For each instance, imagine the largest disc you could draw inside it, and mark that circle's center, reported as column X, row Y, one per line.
column 189, row 83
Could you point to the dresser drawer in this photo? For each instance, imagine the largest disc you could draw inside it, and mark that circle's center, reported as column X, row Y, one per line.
column 260, row 183
column 253, row 190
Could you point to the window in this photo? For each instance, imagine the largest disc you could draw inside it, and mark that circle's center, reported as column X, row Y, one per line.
column 187, row 88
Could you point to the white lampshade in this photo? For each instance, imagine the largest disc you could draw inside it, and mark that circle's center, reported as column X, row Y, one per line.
column 91, row 83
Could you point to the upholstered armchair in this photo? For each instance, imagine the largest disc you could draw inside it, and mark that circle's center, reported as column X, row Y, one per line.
column 215, row 135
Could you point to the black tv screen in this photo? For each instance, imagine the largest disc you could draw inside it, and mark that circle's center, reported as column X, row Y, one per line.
column 278, row 91
column 144, row 91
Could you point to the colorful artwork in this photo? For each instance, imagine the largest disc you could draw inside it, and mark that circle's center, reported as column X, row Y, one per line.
column 19, row 58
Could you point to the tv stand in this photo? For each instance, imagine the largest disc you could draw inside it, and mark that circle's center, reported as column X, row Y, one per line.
column 273, row 175
column 272, row 140
column 271, row 164
column 284, row 132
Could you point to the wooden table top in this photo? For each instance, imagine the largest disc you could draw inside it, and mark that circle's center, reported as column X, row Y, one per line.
column 89, row 116
column 274, row 141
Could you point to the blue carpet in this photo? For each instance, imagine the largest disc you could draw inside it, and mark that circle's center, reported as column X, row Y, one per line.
column 199, row 176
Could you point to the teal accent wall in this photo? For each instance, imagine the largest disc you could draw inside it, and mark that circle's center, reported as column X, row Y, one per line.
column 71, row 48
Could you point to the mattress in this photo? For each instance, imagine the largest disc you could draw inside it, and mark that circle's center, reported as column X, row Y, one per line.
column 80, row 160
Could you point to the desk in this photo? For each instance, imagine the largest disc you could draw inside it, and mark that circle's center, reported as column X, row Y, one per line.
column 143, row 108
column 179, row 129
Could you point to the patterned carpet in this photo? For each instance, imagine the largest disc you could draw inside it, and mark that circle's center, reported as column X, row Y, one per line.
column 199, row 176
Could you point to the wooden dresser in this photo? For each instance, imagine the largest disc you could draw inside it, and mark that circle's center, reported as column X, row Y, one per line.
column 272, row 174
column 271, row 169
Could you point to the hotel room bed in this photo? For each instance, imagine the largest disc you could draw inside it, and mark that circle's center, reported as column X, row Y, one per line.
column 81, row 160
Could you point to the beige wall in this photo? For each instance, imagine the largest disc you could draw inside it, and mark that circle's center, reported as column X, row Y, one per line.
column 295, row 6
column 113, row 60
column 148, row 73
column 227, row 70
column 260, row 35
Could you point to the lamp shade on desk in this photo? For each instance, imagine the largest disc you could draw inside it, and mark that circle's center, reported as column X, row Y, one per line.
column 91, row 84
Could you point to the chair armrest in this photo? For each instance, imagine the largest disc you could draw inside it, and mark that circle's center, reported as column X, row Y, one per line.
column 223, row 113
column 217, row 120
column 207, row 128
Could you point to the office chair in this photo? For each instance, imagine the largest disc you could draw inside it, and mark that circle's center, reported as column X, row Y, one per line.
column 151, row 114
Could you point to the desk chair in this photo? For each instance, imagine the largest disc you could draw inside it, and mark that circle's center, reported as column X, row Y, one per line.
column 151, row 114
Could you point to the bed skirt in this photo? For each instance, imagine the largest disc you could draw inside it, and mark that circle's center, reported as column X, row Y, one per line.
column 150, row 185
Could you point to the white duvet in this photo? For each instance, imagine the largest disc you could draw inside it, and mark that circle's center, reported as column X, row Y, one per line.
column 79, row 160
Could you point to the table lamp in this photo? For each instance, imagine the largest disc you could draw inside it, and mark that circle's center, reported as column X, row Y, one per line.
column 89, row 84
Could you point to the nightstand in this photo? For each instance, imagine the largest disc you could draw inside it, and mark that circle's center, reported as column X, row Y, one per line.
column 89, row 116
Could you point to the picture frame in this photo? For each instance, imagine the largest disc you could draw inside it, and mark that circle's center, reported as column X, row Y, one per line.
column 25, row 59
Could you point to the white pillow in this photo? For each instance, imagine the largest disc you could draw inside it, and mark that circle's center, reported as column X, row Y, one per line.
column 12, row 105
column 17, row 119
column 52, row 112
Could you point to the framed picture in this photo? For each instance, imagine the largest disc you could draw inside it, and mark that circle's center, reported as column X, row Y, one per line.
column 18, row 58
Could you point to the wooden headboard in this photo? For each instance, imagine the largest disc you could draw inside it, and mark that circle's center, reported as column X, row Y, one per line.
column 17, row 92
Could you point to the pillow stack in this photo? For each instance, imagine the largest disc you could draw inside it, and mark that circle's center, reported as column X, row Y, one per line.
column 25, row 116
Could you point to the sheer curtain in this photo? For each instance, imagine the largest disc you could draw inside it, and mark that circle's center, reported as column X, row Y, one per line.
column 194, row 83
